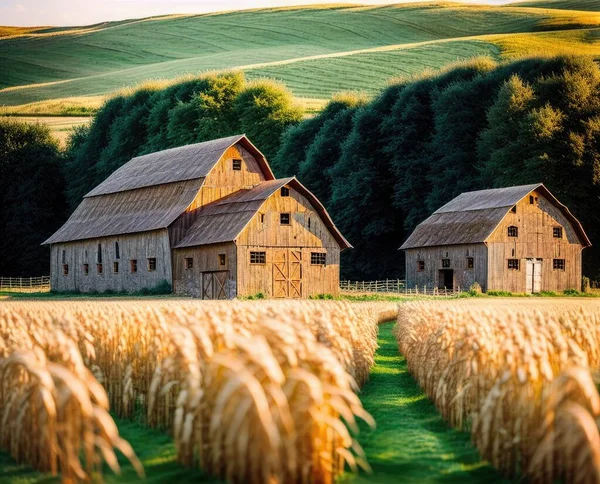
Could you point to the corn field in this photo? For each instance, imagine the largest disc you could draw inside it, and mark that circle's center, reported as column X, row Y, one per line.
column 518, row 375
column 250, row 391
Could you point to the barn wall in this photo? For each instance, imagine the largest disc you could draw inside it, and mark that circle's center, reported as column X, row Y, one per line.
column 432, row 256
column 188, row 282
column 267, row 234
column 535, row 240
column 136, row 246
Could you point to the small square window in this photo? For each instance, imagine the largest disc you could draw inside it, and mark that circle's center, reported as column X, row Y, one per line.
column 115, row 267
column 222, row 259
column 284, row 218
column 99, row 268
column 318, row 258
column 258, row 257
column 513, row 231
column 237, row 164
column 445, row 262
column 513, row 264
column 133, row 265
column 285, row 192
column 531, row 200
column 189, row 262
column 557, row 232
column 558, row 264
column 151, row 264
column 470, row 262
column 86, row 269
column 420, row 265
column 65, row 269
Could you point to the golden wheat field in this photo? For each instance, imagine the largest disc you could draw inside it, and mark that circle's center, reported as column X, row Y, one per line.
column 250, row 391
column 519, row 374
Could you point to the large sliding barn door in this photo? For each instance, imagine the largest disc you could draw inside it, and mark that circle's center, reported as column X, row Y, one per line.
column 214, row 285
column 533, row 276
column 287, row 273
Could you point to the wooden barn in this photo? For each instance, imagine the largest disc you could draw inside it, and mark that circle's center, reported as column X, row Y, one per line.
column 519, row 239
column 209, row 218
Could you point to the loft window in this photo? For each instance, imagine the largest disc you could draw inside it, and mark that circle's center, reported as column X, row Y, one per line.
column 189, row 262
column 117, row 253
column 151, row 264
column 420, row 265
column 513, row 231
column 86, row 269
column 514, row 209
column 116, row 267
column 445, row 262
column 222, row 259
column 557, row 232
column 133, row 265
column 237, row 164
column 285, row 192
column 308, row 223
column 558, row 264
column 531, row 200
column 99, row 257
column 65, row 269
column 470, row 262
column 99, row 268
column 262, row 218
column 513, row 264
column 318, row 258
column 284, row 218
column 64, row 256
column 258, row 257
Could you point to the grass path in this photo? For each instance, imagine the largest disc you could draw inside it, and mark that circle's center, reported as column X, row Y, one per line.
column 411, row 443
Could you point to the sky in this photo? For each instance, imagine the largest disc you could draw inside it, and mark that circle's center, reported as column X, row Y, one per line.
column 85, row 12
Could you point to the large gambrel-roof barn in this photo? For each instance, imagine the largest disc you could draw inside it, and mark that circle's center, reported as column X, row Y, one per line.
column 209, row 218
column 518, row 239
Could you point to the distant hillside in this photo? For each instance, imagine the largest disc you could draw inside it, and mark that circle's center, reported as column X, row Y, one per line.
column 315, row 50
column 583, row 5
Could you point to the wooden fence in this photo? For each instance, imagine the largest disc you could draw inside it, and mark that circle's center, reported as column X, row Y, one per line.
column 396, row 286
column 25, row 284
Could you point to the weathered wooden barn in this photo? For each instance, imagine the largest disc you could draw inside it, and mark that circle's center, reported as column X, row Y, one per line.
column 519, row 239
column 209, row 218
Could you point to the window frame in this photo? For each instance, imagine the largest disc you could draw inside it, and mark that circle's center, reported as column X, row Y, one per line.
column 284, row 191
column 289, row 218
column 222, row 259
column 258, row 257
column 117, row 250
column 188, row 263
column 559, row 265
column 445, row 263
column 420, row 265
column 512, row 231
column 133, row 266
column 151, row 264
column 470, row 263
column 515, row 262
column 86, row 269
column 65, row 269
column 318, row 258
column 236, row 164
column 99, row 268
column 557, row 230
column 115, row 267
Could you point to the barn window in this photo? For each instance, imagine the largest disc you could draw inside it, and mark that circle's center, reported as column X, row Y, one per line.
column 151, row 264
column 318, row 258
column 99, row 256
column 285, row 192
column 99, row 268
column 531, row 200
column 222, row 259
column 513, row 231
column 513, row 264
column 86, row 269
column 445, row 262
column 189, row 262
column 514, row 209
column 133, row 265
column 117, row 252
column 420, row 265
column 513, row 252
column 65, row 269
column 308, row 223
column 284, row 218
column 64, row 257
column 262, row 218
column 557, row 232
column 558, row 264
column 237, row 164
column 116, row 267
column 258, row 257
column 470, row 262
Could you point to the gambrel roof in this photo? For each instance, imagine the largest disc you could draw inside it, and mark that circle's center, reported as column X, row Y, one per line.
column 471, row 217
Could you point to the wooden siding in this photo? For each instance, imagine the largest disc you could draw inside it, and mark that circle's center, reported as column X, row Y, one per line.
column 134, row 246
column 535, row 223
column 188, row 282
column 457, row 254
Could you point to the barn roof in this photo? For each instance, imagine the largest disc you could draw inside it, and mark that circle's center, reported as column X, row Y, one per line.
column 224, row 219
column 471, row 217
column 174, row 165
column 148, row 208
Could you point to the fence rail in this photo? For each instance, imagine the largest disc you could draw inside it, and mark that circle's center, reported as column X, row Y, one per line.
column 25, row 284
column 396, row 286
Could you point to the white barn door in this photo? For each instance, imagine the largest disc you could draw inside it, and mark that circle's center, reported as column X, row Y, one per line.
column 533, row 276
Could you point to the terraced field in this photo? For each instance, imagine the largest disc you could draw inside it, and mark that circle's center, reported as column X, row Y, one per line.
column 316, row 50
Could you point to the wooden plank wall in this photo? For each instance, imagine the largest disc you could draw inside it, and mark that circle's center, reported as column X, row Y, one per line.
column 135, row 246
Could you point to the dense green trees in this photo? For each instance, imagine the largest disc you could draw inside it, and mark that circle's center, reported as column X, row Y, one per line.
column 32, row 202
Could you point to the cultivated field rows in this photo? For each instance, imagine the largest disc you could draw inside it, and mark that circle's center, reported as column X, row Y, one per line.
column 251, row 392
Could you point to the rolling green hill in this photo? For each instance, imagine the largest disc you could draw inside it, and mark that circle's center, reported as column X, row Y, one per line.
column 315, row 50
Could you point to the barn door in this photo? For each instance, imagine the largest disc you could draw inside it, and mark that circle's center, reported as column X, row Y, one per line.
column 214, row 285
column 533, row 275
column 287, row 273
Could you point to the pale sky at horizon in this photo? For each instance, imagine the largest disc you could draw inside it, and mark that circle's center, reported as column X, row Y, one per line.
column 77, row 12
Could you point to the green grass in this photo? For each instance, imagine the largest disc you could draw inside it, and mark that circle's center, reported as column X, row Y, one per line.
column 283, row 43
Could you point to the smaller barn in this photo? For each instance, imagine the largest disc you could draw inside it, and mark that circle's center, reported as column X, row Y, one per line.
column 519, row 239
